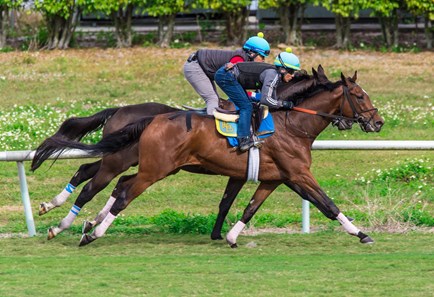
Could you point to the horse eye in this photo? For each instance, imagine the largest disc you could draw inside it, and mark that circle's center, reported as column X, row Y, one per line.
column 359, row 97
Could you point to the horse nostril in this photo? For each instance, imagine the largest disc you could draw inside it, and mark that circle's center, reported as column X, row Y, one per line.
column 379, row 123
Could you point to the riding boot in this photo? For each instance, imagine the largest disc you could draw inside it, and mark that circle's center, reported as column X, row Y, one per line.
column 245, row 143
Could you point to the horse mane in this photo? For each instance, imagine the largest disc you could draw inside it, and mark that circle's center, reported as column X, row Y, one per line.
column 304, row 86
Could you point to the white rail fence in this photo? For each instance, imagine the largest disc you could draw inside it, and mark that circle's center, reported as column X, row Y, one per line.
column 21, row 156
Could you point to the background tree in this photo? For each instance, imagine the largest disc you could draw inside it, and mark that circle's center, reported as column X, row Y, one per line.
column 61, row 19
column 290, row 14
column 388, row 13
column 121, row 13
column 343, row 10
column 166, row 11
column 5, row 8
column 424, row 8
column 236, row 14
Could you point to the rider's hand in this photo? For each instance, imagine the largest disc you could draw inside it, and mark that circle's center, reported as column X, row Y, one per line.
column 229, row 66
column 288, row 105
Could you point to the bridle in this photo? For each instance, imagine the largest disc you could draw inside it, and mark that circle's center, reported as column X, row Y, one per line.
column 357, row 115
column 357, row 118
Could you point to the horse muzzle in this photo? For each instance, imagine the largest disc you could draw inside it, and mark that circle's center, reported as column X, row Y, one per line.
column 370, row 125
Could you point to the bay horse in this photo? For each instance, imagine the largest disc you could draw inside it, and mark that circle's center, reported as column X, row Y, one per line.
column 166, row 146
column 103, row 171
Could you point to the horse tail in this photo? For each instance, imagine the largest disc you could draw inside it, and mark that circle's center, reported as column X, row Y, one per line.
column 73, row 129
column 111, row 143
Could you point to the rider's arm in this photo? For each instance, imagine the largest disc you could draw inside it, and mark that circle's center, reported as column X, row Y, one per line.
column 270, row 80
column 237, row 59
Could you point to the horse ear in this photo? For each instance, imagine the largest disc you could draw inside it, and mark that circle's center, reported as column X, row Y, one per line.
column 355, row 76
column 321, row 70
column 315, row 74
column 344, row 80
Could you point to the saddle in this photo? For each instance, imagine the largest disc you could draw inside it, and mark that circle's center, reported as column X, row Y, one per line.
column 226, row 120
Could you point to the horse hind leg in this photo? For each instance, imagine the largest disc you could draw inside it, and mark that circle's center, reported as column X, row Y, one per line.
column 85, row 172
column 89, row 225
column 98, row 182
column 129, row 188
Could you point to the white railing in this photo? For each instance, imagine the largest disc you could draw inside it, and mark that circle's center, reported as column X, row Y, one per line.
column 21, row 156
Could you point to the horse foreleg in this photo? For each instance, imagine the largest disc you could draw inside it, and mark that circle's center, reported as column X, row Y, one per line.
column 308, row 188
column 262, row 192
column 85, row 172
column 232, row 189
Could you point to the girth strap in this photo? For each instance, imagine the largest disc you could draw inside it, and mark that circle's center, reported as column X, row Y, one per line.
column 188, row 121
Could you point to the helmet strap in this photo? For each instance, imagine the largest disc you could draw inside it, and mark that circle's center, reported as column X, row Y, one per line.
column 251, row 55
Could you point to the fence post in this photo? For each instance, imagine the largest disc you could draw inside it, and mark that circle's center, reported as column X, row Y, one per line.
column 305, row 217
column 26, row 199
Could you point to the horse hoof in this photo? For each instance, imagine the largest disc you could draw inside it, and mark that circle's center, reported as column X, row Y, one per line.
column 43, row 209
column 86, row 239
column 51, row 234
column 367, row 240
column 216, row 237
column 87, row 226
column 233, row 245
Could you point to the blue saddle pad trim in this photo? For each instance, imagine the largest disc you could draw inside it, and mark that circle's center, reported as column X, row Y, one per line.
column 267, row 125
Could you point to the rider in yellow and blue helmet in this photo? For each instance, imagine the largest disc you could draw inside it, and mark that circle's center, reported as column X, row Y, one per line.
column 257, row 45
column 287, row 62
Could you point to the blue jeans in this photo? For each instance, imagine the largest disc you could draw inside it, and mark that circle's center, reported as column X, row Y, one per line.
column 229, row 84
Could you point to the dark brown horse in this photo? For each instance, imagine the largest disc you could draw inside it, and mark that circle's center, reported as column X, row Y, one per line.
column 102, row 172
column 166, row 146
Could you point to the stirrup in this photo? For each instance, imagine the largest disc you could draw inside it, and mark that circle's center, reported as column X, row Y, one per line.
column 257, row 142
column 245, row 143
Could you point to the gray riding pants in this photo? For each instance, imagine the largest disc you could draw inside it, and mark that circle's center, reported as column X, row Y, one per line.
column 202, row 85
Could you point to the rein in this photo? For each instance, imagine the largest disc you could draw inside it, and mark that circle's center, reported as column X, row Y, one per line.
column 356, row 118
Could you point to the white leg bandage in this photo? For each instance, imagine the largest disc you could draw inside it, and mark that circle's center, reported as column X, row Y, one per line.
column 67, row 221
column 235, row 231
column 61, row 198
column 103, row 213
column 348, row 226
column 101, row 228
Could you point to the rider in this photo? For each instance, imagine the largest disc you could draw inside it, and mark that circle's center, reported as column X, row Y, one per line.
column 235, row 79
column 201, row 66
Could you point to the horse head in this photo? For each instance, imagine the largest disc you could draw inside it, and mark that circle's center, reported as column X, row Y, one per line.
column 358, row 105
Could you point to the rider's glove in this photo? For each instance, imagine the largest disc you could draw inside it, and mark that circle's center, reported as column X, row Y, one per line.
column 287, row 105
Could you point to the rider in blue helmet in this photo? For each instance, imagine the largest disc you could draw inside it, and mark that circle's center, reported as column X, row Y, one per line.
column 201, row 66
column 235, row 79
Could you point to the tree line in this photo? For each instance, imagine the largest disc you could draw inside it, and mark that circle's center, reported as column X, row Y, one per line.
column 62, row 17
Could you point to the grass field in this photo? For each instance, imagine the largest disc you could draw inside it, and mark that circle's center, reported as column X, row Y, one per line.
column 390, row 193
column 321, row 264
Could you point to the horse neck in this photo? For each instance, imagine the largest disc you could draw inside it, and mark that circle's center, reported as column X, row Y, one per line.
column 295, row 88
column 312, row 125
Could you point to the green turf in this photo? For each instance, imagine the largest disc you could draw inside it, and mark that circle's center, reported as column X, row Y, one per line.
column 322, row 264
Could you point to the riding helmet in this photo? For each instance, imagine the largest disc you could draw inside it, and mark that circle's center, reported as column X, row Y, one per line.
column 258, row 45
column 287, row 60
